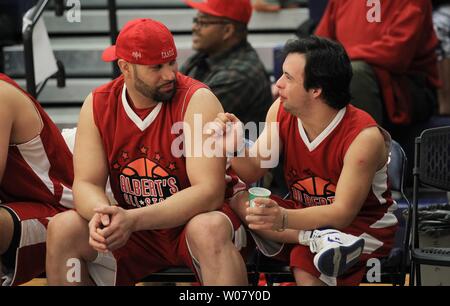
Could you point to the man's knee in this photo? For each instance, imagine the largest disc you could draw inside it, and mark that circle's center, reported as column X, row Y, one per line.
column 66, row 230
column 365, row 90
column 209, row 231
column 364, row 78
column 304, row 278
column 6, row 230
column 361, row 67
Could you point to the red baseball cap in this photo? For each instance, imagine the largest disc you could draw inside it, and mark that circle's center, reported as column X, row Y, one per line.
column 238, row 10
column 143, row 41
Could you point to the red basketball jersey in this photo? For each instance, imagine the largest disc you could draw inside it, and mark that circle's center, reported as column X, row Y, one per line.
column 142, row 168
column 41, row 169
column 312, row 170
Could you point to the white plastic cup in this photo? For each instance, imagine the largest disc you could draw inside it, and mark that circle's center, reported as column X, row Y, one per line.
column 257, row 192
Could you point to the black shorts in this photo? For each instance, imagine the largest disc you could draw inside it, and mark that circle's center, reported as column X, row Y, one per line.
column 9, row 257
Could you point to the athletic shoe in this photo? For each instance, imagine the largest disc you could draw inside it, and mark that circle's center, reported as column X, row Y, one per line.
column 336, row 251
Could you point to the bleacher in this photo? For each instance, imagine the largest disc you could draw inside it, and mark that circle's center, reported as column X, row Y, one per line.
column 79, row 45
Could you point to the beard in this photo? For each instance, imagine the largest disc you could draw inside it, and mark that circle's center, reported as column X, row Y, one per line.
column 154, row 93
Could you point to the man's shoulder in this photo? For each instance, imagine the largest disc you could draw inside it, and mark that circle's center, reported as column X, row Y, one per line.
column 246, row 62
column 14, row 98
column 190, row 62
column 361, row 125
column 243, row 56
column 111, row 86
column 105, row 98
column 240, row 70
column 193, row 57
column 358, row 116
column 186, row 87
column 102, row 94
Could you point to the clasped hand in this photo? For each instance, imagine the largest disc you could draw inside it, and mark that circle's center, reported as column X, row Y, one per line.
column 110, row 228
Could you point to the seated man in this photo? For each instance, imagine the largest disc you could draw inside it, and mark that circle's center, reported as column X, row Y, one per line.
column 441, row 21
column 138, row 130
column 335, row 164
column 225, row 60
column 392, row 48
column 36, row 177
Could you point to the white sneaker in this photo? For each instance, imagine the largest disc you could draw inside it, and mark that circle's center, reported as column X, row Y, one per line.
column 336, row 251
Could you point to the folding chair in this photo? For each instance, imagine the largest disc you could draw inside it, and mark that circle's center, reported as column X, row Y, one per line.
column 27, row 36
column 393, row 267
column 432, row 169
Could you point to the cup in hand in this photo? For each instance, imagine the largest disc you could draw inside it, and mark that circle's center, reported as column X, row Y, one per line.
column 257, row 192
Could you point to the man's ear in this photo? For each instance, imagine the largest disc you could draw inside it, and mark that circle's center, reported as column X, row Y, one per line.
column 125, row 67
column 317, row 92
column 228, row 31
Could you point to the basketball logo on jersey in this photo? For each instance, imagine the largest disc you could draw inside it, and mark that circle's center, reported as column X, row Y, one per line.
column 144, row 182
column 313, row 191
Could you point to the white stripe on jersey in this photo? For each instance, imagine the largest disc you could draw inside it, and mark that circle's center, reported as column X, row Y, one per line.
column 389, row 219
column 34, row 154
column 371, row 243
column 66, row 197
column 380, row 185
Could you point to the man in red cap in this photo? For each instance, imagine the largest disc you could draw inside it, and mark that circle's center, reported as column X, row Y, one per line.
column 225, row 61
column 169, row 213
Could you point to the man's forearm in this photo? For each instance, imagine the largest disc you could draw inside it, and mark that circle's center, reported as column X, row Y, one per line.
column 248, row 168
column 326, row 216
column 88, row 196
column 178, row 209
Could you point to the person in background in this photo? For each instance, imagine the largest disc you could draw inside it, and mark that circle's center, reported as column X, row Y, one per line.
column 441, row 21
column 392, row 46
column 274, row 5
column 225, row 60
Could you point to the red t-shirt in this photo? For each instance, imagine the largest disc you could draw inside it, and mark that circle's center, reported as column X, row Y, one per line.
column 402, row 43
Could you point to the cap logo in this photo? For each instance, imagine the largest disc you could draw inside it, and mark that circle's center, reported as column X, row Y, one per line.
column 166, row 54
column 136, row 55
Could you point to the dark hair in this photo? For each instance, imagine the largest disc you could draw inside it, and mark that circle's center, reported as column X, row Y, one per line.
column 327, row 67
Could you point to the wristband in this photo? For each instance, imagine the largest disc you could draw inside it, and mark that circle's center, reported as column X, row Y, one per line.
column 283, row 221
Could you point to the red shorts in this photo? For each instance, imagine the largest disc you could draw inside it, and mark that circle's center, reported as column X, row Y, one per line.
column 151, row 251
column 301, row 257
column 30, row 254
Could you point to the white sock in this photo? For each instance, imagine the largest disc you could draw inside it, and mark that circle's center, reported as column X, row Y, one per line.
column 304, row 237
